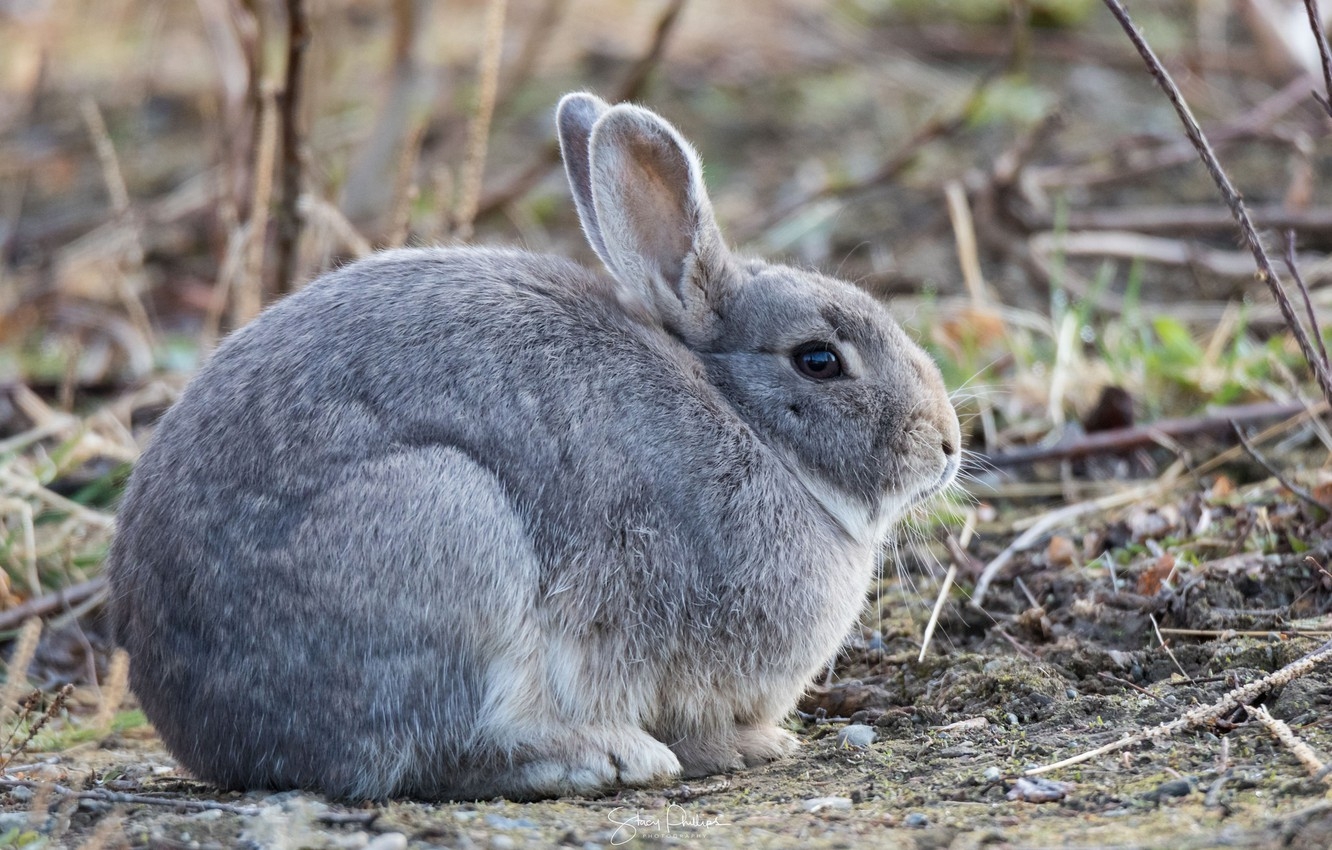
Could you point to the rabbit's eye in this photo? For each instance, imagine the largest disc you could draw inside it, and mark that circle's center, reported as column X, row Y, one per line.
column 818, row 363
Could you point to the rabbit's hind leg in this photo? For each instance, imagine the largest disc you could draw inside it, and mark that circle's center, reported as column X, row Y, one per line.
column 565, row 727
column 590, row 760
column 762, row 744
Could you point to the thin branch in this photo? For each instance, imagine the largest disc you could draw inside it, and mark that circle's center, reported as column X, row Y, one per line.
column 943, row 123
column 1294, row 268
column 1121, row 440
column 1324, row 53
column 629, row 89
column 60, row 600
column 290, row 215
column 1299, row 492
column 1233, row 200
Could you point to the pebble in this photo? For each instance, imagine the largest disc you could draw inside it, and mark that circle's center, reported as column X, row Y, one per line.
column 208, row 814
column 500, row 842
column 21, row 793
column 856, row 737
column 916, row 820
column 388, row 841
column 501, row 822
column 1039, row 790
column 993, row 774
column 819, row 804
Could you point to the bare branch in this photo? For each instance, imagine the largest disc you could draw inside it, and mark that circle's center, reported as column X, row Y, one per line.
column 1233, row 200
column 290, row 215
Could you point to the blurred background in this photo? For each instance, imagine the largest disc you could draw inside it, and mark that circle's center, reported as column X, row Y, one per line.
column 1004, row 172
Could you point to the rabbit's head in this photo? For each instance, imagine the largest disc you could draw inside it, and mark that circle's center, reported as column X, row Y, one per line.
column 813, row 365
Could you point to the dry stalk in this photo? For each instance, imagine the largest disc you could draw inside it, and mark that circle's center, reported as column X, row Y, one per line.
column 16, row 679
column 1240, row 696
column 57, row 703
column 290, row 217
column 248, row 294
column 1288, row 739
column 113, row 691
column 478, row 136
column 1266, row 272
column 1324, row 53
column 106, row 156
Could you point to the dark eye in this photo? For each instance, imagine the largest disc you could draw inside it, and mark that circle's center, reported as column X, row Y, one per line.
column 818, row 363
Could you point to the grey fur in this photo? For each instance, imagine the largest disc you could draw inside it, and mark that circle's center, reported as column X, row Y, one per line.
column 456, row 523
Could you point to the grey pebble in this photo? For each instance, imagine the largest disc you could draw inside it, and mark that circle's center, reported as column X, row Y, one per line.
column 388, row 841
column 993, row 774
column 13, row 820
column 856, row 737
column 818, row 804
column 501, row 822
column 501, row 842
column 21, row 793
column 916, row 820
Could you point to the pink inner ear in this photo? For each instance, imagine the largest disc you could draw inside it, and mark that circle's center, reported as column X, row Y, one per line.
column 658, row 206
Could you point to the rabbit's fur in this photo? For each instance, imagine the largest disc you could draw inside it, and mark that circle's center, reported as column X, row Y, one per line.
column 457, row 523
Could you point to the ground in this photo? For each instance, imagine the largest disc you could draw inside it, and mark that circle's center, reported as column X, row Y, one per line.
column 1020, row 194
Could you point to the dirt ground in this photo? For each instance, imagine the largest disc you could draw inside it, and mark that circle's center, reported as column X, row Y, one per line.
column 843, row 136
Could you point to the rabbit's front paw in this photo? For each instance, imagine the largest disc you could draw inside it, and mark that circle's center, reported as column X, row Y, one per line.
column 762, row 744
column 596, row 759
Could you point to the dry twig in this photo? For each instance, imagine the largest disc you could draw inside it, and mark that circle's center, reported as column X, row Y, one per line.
column 1266, row 272
column 1235, row 698
column 1283, row 733
column 474, row 165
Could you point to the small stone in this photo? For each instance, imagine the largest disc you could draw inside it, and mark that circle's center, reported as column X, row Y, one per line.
column 916, row 820
column 207, row 814
column 819, row 804
column 21, row 793
column 501, row 822
column 856, row 737
column 500, row 842
column 1011, row 718
column 993, row 774
column 388, row 841
column 1039, row 790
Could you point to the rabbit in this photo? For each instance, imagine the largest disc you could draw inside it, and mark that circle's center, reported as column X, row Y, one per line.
column 462, row 523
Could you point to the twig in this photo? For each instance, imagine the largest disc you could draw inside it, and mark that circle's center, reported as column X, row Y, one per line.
column 938, row 608
column 941, row 124
column 474, row 164
column 1294, row 268
column 40, row 606
column 290, row 216
column 1266, row 272
column 628, row 90
column 1157, row 628
column 1299, row 492
column 1053, row 519
column 102, row 795
column 1324, row 53
column 1228, row 703
column 1121, row 440
column 1283, row 733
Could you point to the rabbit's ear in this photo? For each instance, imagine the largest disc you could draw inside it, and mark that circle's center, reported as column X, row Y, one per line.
column 661, row 239
column 574, row 118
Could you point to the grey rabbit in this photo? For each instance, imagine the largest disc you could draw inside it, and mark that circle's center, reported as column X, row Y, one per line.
column 457, row 523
